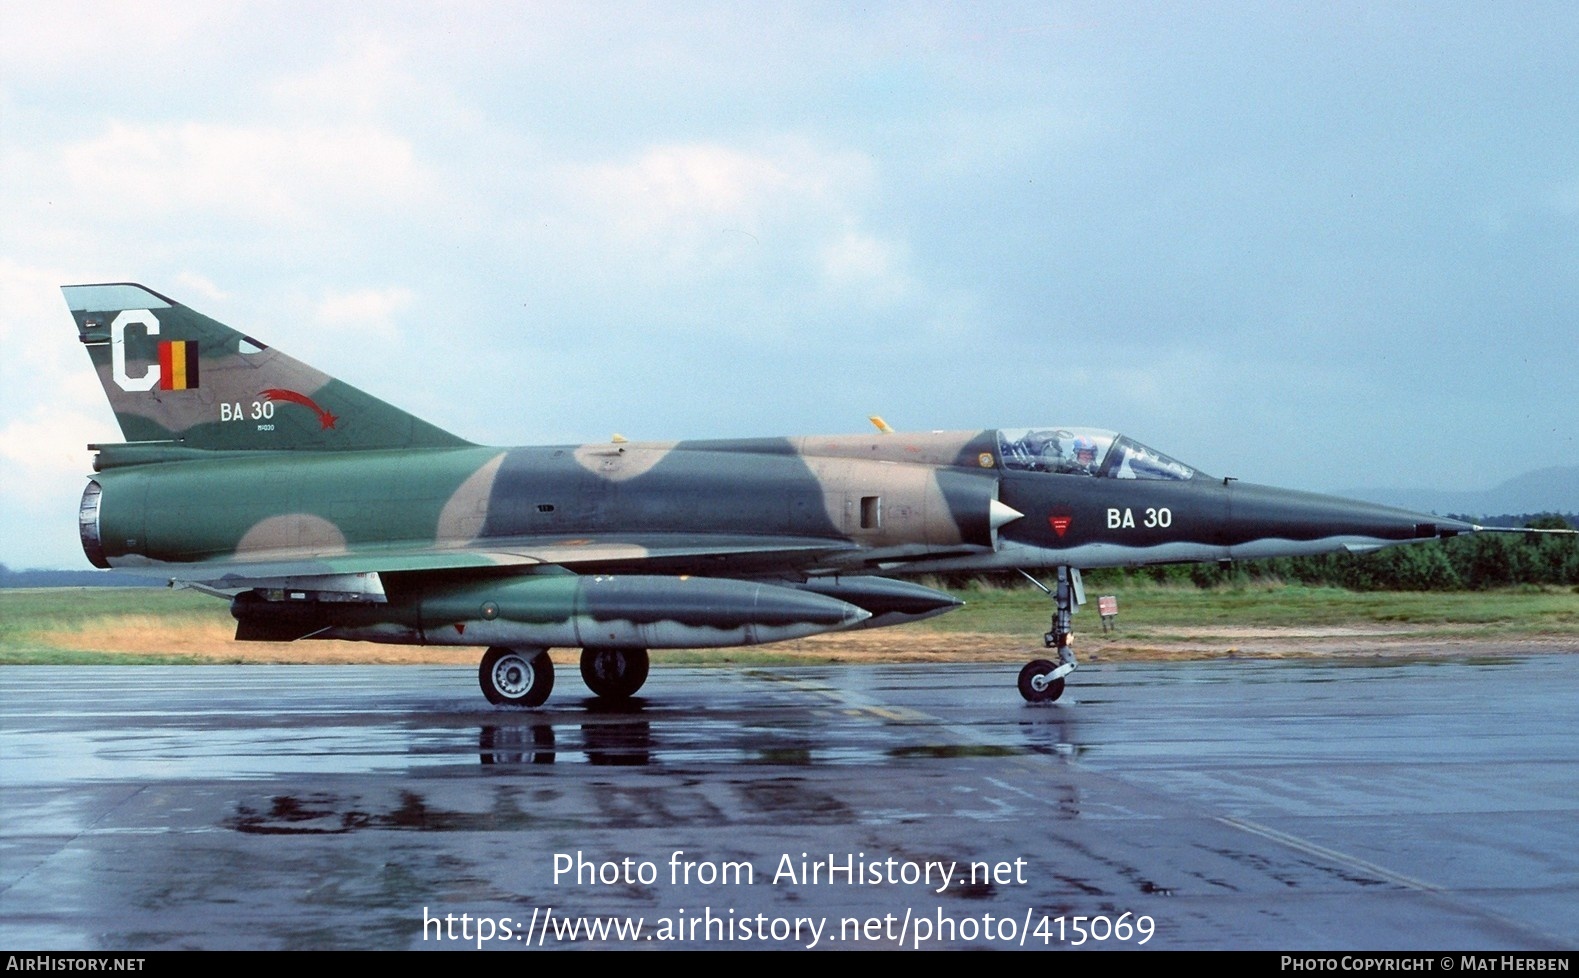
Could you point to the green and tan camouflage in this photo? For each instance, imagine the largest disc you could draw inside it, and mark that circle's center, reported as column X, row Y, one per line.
column 324, row 512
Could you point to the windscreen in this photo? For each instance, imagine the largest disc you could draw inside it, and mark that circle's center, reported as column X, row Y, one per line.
column 1086, row 451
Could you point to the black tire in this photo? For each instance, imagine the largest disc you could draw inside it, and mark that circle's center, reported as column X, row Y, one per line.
column 1034, row 668
column 614, row 674
column 516, row 677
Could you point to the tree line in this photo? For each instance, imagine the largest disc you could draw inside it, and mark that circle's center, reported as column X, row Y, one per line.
column 1469, row 562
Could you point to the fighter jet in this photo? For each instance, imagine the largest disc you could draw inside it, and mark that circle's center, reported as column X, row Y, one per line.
column 320, row 511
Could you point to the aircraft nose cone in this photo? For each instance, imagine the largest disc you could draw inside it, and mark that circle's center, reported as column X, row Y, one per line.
column 1349, row 523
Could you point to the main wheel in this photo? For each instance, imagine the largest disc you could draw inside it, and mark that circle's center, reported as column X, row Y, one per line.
column 516, row 677
column 614, row 674
column 1029, row 676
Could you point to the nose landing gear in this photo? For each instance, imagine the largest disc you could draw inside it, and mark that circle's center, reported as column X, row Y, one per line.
column 1041, row 680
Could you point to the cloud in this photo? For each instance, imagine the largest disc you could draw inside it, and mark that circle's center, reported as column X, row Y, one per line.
column 788, row 217
column 51, row 408
column 365, row 81
column 372, row 310
column 43, row 465
column 692, row 208
column 46, row 451
column 872, row 266
column 201, row 287
column 263, row 174
column 1565, row 198
column 69, row 39
column 44, row 372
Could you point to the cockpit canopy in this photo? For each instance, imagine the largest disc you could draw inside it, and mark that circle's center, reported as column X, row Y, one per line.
column 1086, row 451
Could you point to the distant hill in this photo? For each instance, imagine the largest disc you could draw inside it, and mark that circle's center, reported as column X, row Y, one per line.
column 1553, row 490
column 78, row 578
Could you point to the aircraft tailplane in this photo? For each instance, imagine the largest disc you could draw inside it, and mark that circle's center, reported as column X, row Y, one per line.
column 178, row 378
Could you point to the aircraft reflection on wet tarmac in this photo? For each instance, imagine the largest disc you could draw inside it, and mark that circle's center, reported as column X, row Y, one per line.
column 619, row 734
column 843, row 724
column 1323, row 804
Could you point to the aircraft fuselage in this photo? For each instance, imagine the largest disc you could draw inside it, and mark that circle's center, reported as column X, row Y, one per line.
column 321, row 511
column 927, row 502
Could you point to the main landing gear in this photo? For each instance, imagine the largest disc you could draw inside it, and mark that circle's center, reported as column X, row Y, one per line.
column 525, row 677
column 516, row 677
column 614, row 674
column 1041, row 680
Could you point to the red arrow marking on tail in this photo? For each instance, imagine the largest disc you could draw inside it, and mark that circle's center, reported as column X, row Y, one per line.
column 324, row 417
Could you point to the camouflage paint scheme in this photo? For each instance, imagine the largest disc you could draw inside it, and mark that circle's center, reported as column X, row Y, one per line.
column 325, row 512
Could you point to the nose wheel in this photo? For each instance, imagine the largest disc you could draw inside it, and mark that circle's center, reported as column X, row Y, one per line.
column 1042, row 680
column 1035, row 682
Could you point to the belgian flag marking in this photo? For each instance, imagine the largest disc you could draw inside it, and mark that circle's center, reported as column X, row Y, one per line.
column 178, row 365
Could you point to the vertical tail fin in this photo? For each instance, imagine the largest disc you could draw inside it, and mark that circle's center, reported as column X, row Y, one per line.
column 176, row 376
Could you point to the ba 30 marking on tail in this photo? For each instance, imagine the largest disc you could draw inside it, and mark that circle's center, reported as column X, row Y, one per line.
column 320, row 511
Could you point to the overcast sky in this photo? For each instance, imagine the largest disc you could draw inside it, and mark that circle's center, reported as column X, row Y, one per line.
column 1314, row 245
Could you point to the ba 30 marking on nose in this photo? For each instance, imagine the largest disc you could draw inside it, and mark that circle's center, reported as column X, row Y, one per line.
column 1125, row 519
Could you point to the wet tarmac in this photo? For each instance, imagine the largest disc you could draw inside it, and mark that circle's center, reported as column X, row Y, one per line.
column 1233, row 804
